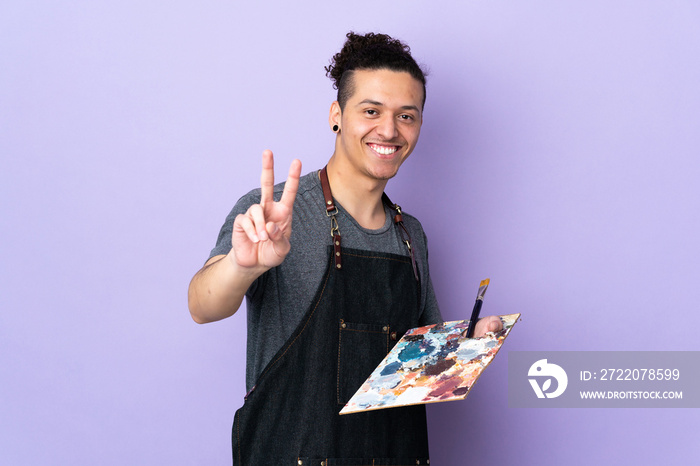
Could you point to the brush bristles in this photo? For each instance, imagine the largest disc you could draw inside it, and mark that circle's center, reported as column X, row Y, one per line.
column 482, row 289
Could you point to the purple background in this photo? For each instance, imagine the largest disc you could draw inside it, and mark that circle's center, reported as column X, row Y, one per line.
column 559, row 157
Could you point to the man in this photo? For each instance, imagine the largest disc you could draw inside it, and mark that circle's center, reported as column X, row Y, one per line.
column 333, row 274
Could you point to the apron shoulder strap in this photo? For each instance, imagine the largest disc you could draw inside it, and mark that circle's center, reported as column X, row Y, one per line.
column 332, row 211
column 405, row 235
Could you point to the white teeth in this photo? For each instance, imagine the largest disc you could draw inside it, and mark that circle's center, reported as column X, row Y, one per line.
column 384, row 150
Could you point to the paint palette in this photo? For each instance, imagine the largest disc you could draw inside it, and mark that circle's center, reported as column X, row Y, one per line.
column 429, row 365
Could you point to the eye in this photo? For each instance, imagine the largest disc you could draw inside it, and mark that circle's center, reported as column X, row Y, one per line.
column 371, row 112
column 406, row 117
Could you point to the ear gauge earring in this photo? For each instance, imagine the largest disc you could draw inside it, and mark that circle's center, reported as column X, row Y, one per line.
column 335, row 128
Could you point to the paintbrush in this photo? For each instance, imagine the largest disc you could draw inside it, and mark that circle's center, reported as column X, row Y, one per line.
column 469, row 333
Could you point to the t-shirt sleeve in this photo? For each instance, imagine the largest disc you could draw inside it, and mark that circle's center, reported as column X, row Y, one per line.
column 431, row 311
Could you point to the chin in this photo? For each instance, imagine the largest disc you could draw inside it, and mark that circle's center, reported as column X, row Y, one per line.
column 383, row 175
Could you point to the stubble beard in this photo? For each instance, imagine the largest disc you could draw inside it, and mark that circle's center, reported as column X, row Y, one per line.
column 381, row 176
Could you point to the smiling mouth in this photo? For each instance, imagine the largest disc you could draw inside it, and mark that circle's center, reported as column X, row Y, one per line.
column 382, row 149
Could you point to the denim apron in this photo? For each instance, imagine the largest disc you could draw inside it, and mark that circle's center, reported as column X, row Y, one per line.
column 290, row 417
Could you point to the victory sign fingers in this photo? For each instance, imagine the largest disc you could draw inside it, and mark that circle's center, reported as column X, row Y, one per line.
column 267, row 181
column 261, row 235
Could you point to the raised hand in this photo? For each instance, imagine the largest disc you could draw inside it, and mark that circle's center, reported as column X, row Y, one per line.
column 260, row 237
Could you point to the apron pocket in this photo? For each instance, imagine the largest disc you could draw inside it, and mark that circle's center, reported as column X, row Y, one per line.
column 361, row 347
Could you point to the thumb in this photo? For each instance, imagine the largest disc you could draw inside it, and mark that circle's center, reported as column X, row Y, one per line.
column 279, row 240
column 273, row 231
column 494, row 325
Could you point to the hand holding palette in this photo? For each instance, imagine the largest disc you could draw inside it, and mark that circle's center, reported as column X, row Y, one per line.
column 429, row 365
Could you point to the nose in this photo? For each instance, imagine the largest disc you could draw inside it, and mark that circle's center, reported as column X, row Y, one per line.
column 386, row 127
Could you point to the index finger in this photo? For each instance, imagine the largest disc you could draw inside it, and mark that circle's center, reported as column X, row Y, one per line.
column 292, row 184
column 267, row 178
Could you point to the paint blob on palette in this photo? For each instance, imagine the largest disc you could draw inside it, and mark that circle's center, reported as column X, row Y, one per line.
column 429, row 365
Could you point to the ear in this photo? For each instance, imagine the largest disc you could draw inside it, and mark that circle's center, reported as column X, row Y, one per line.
column 335, row 114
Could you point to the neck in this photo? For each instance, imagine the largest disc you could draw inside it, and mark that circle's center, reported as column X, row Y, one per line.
column 360, row 196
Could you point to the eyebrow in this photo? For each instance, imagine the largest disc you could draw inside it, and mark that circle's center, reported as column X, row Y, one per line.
column 379, row 104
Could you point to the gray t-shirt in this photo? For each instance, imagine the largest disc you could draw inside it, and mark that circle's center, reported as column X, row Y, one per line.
column 278, row 299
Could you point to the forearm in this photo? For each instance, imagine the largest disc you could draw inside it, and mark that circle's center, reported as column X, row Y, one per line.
column 217, row 290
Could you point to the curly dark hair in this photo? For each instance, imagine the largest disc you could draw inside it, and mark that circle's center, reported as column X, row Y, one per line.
column 370, row 52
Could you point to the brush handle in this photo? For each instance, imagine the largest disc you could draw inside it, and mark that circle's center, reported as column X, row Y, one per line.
column 474, row 318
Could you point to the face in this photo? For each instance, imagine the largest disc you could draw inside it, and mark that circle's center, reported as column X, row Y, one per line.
column 380, row 124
